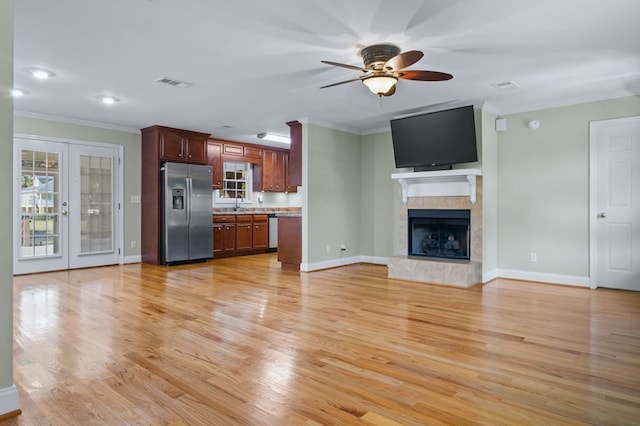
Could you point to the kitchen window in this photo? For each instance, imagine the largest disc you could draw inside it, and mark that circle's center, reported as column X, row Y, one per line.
column 236, row 184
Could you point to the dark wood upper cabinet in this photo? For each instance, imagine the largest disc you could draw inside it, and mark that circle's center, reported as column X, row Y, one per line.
column 182, row 145
column 287, row 176
column 270, row 176
column 214, row 159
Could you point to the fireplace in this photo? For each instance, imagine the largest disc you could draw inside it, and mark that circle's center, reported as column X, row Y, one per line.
column 439, row 233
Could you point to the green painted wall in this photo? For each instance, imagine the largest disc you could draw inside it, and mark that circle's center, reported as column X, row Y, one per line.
column 131, row 163
column 380, row 196
column 333, row 194
column 6, row 208
column 543, row 186
column 489, row 159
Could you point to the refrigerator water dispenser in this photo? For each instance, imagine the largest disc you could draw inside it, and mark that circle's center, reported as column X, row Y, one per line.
column 178, row 199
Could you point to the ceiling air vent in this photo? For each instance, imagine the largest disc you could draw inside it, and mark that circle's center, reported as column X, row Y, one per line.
column 505, row 85
column 173, row 82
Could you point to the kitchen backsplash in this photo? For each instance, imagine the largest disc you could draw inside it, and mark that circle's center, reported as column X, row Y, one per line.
column 268, row 200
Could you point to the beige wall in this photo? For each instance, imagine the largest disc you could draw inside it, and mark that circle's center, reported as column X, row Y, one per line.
column 6, row 175
column 131, row 163
column 543, row 187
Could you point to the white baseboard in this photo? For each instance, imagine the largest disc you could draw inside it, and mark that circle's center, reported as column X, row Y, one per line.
column 542, row 277
column 489, row 276
column 334, row 263
column 9, row 400
column 132, row 259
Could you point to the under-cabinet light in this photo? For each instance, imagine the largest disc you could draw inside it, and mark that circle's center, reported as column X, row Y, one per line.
column 274, row 138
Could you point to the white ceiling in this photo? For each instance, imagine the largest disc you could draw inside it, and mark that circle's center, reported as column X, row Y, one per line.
column 255, row 64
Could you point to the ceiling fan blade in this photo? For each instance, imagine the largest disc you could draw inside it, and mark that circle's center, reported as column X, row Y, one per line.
column 423, row 75
column 341, row 82
column 351, row 67
column 390, row 91
column 403, row 60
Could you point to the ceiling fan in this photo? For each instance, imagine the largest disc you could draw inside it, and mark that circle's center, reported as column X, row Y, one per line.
column 384, row 65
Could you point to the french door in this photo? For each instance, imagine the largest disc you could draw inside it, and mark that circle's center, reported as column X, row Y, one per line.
column 66, row 208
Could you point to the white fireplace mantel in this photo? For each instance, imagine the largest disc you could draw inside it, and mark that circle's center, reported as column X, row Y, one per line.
column 438, row 183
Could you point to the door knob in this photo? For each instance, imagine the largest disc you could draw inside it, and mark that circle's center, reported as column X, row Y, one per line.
column 602, row 215
column 64, row 212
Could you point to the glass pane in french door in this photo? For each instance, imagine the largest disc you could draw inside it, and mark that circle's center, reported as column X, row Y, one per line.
column 96, row 204
column 39, row 204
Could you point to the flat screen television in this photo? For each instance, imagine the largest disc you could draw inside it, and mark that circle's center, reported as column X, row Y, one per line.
column 436, row 140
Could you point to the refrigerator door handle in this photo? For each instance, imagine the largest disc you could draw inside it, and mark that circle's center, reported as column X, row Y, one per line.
column 188, row 199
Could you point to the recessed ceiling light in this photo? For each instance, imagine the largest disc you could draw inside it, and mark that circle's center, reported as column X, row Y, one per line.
column 40, row 74
column 108, row 100
column 16, row 93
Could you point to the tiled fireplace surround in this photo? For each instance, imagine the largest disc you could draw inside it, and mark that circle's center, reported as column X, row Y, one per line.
column 441, row 271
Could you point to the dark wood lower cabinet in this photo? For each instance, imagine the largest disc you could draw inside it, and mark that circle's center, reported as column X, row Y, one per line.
column 224, row 235
column 244, row 234
column 235, row 235
column 260, row 232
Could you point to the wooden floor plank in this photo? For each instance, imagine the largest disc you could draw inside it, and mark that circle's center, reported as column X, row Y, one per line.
column 238, row 341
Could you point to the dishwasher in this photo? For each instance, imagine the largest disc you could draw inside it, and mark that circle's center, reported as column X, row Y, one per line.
column 273, row 233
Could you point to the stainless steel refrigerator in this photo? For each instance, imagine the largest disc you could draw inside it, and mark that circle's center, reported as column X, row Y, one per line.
column 187, row 231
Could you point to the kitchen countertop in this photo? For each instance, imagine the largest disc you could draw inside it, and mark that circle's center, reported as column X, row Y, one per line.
column 280, row 211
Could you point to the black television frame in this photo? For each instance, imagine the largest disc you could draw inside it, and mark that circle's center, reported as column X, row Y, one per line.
column 435, row 140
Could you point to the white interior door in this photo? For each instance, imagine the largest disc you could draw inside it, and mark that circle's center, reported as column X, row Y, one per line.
column 66, row 206
column 615, row 206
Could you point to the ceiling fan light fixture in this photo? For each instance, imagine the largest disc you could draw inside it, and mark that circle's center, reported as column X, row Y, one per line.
column 380, row 84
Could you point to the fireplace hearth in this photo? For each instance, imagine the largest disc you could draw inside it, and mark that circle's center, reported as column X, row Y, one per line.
column 439, row 233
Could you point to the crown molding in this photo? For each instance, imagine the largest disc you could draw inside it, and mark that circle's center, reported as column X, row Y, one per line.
column 326, row 124
column 78, row 122
column 384, row 129
column 489, row 107
column 576, row 100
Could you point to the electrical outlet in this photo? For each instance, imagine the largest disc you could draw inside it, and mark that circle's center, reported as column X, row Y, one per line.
column 343, row 247
column 328, row 248
column 133, row 244
column 533, row 257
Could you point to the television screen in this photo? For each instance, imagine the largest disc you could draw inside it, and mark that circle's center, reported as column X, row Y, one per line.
column 435, row 139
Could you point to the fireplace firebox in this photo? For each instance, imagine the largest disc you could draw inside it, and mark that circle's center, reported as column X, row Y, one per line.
column 440, row 234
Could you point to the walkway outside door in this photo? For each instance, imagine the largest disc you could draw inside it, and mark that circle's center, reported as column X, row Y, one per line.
column 615, row 203
column 66, row 205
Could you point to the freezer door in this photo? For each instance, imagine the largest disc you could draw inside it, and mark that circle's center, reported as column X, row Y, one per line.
column 200, row 218
column 175, row 225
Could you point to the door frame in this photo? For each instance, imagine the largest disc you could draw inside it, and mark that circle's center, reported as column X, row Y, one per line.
column 119, row 169
column 594, row 128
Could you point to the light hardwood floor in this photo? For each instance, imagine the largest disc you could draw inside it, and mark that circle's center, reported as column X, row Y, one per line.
column 237, row 341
